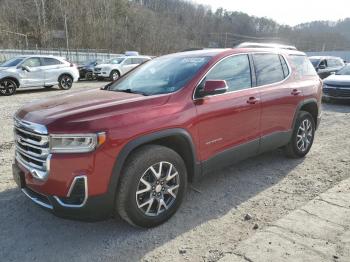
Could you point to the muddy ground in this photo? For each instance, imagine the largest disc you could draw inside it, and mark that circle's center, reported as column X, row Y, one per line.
column 210, row 222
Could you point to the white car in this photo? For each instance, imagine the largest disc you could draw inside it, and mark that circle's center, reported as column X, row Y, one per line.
column 35, row 71
column 118, row 66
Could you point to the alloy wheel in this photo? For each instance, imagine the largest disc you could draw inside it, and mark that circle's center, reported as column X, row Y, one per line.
column 304, row 135
column 115, row 76
column 66, row 82
column 7, row 87
column 157, row 189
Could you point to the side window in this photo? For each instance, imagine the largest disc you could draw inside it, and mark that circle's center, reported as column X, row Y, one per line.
column 127, row 61
column 51, row 61
column 32, row 62
column 323, row 63
column 268, row 69
column 136, row 61
column 303, row 65
column 284, row 66
column 234, row 70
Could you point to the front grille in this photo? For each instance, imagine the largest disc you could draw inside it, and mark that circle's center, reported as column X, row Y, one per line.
column 337, row 91
column 32, row 146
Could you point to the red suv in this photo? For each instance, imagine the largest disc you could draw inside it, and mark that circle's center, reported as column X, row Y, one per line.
column 132, row 147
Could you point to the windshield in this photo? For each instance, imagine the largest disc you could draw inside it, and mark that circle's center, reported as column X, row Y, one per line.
column 160, row 76
column 115, row 60
column 315, row 62
column 344, row 71
column 12, row 62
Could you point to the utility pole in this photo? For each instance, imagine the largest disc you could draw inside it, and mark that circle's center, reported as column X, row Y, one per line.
column 66, row 30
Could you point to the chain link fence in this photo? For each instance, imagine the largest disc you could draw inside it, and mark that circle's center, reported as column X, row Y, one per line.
column 78, row 56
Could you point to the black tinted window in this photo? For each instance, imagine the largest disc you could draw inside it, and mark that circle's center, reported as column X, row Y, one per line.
column 235, row 70
column 51, row 61
column 303, row 65
column 268, row 69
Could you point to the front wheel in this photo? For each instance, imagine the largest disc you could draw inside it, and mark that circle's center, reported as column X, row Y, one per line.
column 114, row 75
column 303, row 136
column 153, row 185
column 8, row 87
column 65, row 82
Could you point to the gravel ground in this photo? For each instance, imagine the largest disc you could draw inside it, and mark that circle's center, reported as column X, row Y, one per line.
column 210, row 223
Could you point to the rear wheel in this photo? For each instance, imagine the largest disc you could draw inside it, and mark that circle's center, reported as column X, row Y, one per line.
column 153, row 184
column 8, row 87
column 65, row 82
column 303, row 136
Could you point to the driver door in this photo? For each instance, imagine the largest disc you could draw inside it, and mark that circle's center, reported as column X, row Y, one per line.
column 35, row 75
column 229, row 124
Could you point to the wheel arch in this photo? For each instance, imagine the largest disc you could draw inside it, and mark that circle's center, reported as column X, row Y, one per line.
column 65, row 73
column 13, row 79
column 177, row 139
column 308, row 105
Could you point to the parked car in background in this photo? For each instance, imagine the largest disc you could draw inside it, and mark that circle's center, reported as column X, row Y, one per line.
column 131, row 148
column 337, row 86
column 35, row 71
column 116, row 67
column 86, row 71
column 326, row 65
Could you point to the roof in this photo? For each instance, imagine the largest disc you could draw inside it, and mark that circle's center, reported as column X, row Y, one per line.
column 34, row 55
column 324, row 57
column 265, row 45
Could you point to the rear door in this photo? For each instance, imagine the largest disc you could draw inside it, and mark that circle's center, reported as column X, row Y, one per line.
column 52, row 68
column 279, row 98
column 36, row 74
column 230, row 120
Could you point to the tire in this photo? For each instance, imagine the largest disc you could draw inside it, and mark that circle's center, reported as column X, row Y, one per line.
column 114, row 75
column 65, row 82
column 301, row 141
column 8, row 87
column 137, row 207
column 89, row 76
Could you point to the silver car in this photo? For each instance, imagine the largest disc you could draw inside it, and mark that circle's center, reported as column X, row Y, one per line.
column 35, row 71
column 116, row 67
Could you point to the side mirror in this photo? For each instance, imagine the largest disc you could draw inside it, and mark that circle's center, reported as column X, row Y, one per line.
column 321, row 67
column 214, row 87
column 25, row 68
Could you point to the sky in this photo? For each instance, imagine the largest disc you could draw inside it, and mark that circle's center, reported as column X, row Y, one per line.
column 286, row 12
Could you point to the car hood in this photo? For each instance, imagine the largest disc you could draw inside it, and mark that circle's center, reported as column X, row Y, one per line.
column 338, row 80
column 85, row 109
column 106, row 65
column 7, row 69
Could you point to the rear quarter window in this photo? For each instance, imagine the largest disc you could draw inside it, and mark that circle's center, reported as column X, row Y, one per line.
column 302, row 65
column 269, row 69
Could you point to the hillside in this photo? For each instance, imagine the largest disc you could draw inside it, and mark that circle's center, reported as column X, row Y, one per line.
column 152, row 26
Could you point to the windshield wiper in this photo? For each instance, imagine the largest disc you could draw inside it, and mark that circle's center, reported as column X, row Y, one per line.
column 130, row 91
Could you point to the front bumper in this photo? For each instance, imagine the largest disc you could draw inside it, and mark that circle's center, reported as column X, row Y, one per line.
column 76, row 205
column 101, row 74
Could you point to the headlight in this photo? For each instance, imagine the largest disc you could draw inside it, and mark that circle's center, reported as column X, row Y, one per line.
column 77, row 143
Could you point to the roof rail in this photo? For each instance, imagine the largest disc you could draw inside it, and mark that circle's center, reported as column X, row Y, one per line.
column 265, row 45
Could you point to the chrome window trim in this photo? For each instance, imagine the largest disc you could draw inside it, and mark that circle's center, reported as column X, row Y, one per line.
column 251, row 88
column 70, row 191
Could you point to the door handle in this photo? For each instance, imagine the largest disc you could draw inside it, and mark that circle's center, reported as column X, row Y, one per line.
column 252, row 100
column 296, row 92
